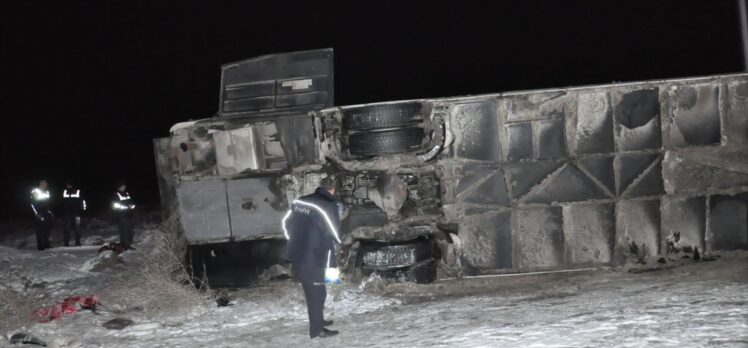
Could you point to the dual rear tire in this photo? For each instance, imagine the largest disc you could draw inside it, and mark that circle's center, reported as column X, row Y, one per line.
column 384, row 129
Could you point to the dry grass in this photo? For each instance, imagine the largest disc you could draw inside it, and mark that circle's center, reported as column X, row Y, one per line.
column 165, row 277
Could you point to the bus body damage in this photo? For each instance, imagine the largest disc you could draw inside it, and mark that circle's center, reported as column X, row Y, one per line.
column 223, row 175
column 563, row 178
column 509, row 182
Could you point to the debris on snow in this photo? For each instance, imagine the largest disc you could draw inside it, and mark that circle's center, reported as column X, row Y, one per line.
column 118, row 323
column 25, row 338
column 70, row 305
column 223, row 301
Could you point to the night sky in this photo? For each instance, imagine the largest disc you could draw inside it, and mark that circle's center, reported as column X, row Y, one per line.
column 86, row 86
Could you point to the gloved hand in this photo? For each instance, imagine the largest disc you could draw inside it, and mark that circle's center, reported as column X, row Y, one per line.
column 332, row 276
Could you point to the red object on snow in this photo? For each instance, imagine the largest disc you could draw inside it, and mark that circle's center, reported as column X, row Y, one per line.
column 70, row 305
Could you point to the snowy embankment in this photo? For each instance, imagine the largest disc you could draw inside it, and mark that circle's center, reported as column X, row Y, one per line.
column 47, row 277
column 696, row 305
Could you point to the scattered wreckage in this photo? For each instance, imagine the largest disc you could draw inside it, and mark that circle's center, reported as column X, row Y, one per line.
column 548, row 179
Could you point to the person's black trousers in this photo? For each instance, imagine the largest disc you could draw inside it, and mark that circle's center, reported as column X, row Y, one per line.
column 124, row 222
column 42, row 232
column 71, row 225
column 313, row 281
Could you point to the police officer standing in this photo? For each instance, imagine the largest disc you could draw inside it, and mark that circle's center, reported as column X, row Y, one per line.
column 40, row 204
column 73, row 206
column 123, row 206
column 311, row 227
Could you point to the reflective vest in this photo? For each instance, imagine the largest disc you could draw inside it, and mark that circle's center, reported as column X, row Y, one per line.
column 40, row 201
column 72, row 202
column 122, row 202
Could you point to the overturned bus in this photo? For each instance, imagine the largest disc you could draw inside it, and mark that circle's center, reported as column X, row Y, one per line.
column 508, row 182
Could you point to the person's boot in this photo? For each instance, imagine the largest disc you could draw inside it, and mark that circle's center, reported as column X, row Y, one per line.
column 328, row 333
column 327, row 322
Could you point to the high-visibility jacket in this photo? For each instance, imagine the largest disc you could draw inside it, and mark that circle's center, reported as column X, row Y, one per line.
column 122, row 202
column 73, row 202
column 40, row 202
column 311, row 227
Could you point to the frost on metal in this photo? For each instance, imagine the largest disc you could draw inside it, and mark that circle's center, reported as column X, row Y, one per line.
column 603, row 174
column 526, row 180
column 588, row 175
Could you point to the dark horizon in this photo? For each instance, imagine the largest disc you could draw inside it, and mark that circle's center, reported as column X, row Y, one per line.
column 86, row 87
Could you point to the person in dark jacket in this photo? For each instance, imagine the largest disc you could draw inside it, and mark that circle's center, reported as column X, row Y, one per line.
column 123, row 207
column 311, row 227
column 73, row 206
column 40, row 204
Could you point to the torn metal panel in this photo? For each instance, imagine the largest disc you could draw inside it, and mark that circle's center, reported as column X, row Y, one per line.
column 694, row 115
column 389, row 193
column 637, row 115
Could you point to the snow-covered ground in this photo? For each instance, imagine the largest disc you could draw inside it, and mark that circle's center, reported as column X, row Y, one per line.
column 696, row 305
